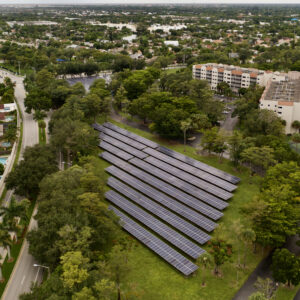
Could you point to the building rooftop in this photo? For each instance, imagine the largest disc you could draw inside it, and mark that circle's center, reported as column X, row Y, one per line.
column 233, row 69
column 287, row 91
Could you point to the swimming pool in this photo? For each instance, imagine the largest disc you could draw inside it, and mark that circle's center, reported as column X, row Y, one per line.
column 9, row 118
column 3, row 160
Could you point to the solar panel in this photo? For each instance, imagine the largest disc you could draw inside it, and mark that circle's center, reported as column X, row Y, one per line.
column 114, row 150
column 96, row 126
column 123, row 146
column 170, row 255
column 131, row 135
column 194, row 203
column 155, row 225
column 122, row 138
column 190, row 169
column 204, row 185
column 188, row 188
column 199, row 165
column 159, row 211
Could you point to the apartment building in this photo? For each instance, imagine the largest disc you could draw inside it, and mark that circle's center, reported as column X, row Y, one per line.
column 236, row 77
column 283, row 97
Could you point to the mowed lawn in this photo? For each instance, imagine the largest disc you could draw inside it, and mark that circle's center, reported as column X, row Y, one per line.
column 151, row 278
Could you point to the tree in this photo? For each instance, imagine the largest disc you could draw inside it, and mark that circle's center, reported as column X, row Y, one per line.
column 37, row 100
column 247, row 236
column 105, row 288
column 13, row 211
column 265, row 286
column 258, row 158
column 296, row 139
column 1, row 169
column 237, row 144
column 213, row 140
column 39, row 115
column 274, row 215
column 120, row 97
column 286, row 267
column 220, row 251
column 296, row 125
column 42, row 124
column 84, row 294
column 204, row 261
column 208, row 139
column 38, row 162
column 74, row 269
column 257, row 296
column 119, row 266
column 6, row 241
column 185, row 126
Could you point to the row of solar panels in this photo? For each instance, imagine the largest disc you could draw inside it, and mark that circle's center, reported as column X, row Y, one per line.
column 172, row 167
column 168, row 190
column 195, row 163
column 138, row 149
column 172, row 256
column 115, row 142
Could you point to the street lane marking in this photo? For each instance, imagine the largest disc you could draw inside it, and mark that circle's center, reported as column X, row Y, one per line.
column 23, row 280
column 36, row 276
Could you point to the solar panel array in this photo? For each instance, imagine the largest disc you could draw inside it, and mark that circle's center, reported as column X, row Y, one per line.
column 174, row 196
column 199, row 165
column 155, row 225
column 158, row 210
column 155, row 244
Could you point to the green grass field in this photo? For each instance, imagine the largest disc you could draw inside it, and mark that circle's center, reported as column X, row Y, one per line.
column 152, row 278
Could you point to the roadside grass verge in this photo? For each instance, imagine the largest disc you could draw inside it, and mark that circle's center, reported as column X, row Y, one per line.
column 286, row 293
column 42, row 136
column 8, row 267
column 152, row 278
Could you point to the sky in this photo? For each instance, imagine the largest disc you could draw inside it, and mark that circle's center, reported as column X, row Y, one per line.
column 72, row 2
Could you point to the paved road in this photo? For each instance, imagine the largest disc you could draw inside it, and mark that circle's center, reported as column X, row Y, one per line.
column 24, row 273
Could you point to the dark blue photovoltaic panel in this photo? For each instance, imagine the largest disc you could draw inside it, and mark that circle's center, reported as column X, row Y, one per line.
column 199, row 165
column 192, row 170
column 169, row 190
column 204, row 185
column 131, row 135
column 122, row 146
column 155, row 225
column 155, row 244
column 121, row 138
column 188, row 188
column 114, row 150
column 159, row 211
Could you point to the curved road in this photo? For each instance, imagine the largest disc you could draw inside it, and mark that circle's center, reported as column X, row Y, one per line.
column 24, row 273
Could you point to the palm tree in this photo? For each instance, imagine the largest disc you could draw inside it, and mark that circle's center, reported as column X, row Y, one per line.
column 13, row 211
column 6, row 241
column 185, row 126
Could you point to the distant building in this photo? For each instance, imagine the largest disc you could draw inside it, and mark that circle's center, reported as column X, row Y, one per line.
column 283, row 97
column 236, row 77
column 171, row 43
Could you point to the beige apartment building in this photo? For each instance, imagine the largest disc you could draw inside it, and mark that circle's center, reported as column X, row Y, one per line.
column 236, row 77
column 283, row 97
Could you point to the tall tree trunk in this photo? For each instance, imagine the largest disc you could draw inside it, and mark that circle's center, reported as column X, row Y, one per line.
column 184, row 139
column 245, row 255
column 8, row 252
column 119, row 292
column 1, row 275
